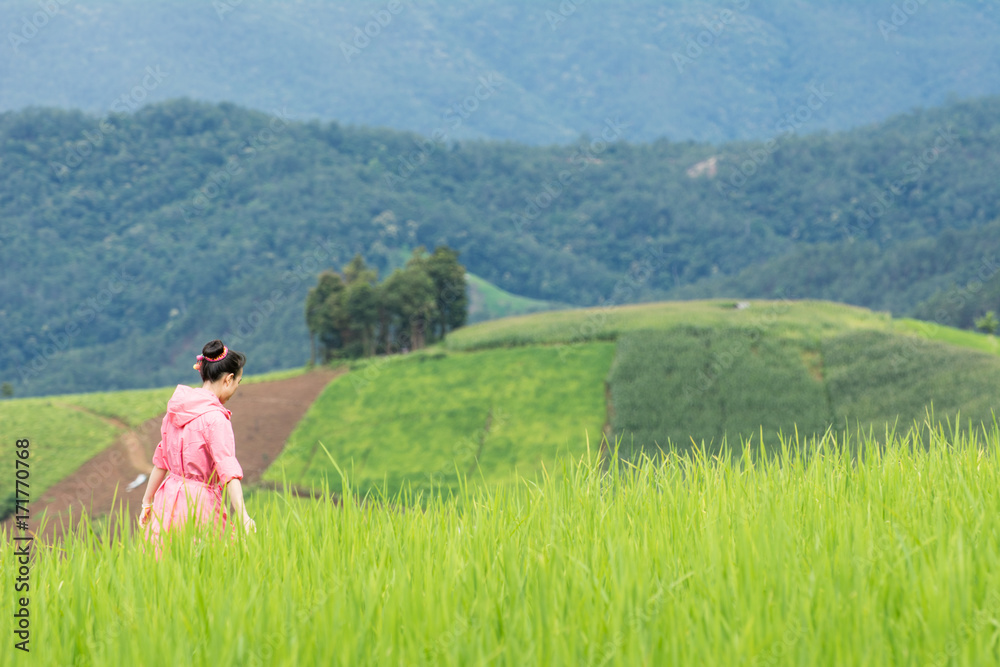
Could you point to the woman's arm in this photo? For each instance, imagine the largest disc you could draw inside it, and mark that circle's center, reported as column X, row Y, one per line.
column 156, row 477
column 235, row 491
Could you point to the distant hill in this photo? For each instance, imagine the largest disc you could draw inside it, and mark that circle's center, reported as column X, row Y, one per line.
column 137, row 237
column 530, row 72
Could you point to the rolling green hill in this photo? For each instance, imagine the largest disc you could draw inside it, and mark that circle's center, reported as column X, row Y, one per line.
column 138, row 236
column 652, row 376
column 431, row 419
column 516, row 394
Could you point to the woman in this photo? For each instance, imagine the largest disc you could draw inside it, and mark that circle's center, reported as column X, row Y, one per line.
column 196, row 459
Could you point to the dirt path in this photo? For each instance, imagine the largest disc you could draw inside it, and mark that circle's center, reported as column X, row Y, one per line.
column 130, row 439
column 264, row 415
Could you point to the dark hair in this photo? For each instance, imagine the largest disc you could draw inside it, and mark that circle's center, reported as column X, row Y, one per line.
column 213, row 370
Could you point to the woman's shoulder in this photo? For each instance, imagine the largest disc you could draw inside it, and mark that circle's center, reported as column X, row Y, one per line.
column 218, row 416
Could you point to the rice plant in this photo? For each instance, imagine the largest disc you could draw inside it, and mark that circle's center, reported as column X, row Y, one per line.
column 871, row 550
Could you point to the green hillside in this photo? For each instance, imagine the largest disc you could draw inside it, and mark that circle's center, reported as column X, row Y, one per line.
column 515, row 395
column 655, row 376
column 489, row 302
column 68, row 430
column 708, row 385
column 427, row 420
column 132, row 235
column 687, row 70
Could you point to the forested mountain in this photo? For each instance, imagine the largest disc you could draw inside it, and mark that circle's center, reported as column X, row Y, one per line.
column 128, row 241
column 532, row 72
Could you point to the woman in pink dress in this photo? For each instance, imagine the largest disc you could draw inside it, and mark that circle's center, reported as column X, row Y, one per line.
column 196, row 459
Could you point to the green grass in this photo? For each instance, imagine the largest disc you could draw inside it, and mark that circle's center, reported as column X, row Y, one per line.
column 806, row 319
column 489, row 302
column 129, row 407
column 273, row 376
column 425, row 418
column 875, row 378
column 958, row 337
column 61, row 440
column 799, row 318
column 685, row 385
column 890, row 557
column 702, row 385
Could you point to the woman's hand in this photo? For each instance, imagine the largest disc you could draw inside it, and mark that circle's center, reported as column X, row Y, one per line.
column 156, row 477
column 248, row 524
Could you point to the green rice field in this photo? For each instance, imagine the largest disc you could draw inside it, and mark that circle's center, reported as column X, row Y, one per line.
column 684, row 385
column 875, row 551
column 428, row 419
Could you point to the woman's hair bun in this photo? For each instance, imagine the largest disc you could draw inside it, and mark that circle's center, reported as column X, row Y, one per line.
column 216, row 361
column 212, row 349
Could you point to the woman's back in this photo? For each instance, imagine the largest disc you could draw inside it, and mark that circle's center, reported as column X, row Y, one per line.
column 197, row 438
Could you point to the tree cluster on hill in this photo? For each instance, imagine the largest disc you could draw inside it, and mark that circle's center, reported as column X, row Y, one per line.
column 138, row 235
column 351, row 314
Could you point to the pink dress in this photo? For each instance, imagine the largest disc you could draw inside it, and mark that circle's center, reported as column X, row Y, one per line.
column 198, row 451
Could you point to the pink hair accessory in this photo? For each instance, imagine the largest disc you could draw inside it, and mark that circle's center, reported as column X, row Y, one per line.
column 225, row 351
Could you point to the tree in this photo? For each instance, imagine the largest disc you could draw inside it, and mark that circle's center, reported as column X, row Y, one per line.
column 419, row 297
column 356, row 270
column 353, row 315
column 6, row 390
column 361, row 310
column 410, row 300
column 988, row 323
column 392, row 320
column 323, row 314
column 449, row 285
